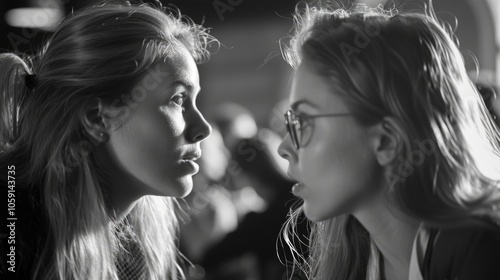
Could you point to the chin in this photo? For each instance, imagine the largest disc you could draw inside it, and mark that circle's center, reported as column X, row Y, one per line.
column 183, row 186
column 178, row 188
column 318, row 215
column 312, row 214
column 313, row 217
column 186, row 191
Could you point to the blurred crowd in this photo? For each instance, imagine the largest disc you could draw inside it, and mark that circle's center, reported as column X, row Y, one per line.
column 233, row 218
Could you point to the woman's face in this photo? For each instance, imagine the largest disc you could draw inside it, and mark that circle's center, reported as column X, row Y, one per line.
column 154, row 150
column 335, row 166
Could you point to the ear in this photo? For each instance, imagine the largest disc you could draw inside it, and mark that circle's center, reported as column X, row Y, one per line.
column 388, row 140
column 96, row 121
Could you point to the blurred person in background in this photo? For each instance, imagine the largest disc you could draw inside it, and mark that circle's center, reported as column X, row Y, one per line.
column 235, row 123
column 395, row 154
column 101, row 130
column 209, row 213
column 249, row 252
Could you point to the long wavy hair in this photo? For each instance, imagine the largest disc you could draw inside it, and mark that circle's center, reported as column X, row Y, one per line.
column 97, row 53
column 406, row 66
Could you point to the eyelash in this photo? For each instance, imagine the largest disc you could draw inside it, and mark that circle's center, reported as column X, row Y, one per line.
column 182, row 97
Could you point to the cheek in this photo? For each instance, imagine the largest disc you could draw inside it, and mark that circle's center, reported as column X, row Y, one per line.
column 337, row 173
column 171, row 120
column 149, row 135
column 146, row 147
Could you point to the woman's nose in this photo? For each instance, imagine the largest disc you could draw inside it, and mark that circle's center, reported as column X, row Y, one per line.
column 200, row 129
column 285, row 149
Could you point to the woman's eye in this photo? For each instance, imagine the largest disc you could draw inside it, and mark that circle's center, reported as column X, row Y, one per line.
column 304, row 121
column 179, row 101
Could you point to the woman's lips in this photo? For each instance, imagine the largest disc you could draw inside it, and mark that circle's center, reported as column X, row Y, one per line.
column 297, row 188
column 191, row 165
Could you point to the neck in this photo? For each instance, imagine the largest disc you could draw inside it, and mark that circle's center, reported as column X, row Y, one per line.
column 392, row 233
column 120, row 207
column 122, row 190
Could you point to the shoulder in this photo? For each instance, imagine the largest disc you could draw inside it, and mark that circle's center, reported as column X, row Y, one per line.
column 469, row 251
column 465, row 236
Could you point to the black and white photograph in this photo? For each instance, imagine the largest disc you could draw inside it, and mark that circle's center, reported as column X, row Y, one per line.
column 250, row 139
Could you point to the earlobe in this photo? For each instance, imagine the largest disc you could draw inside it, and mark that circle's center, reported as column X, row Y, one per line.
column 388, row 141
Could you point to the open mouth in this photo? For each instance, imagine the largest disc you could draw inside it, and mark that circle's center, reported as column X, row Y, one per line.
column 191, row 157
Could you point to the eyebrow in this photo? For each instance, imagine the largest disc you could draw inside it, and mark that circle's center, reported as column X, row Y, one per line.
column 185, row 84
column 295, row 105
column 182, row 83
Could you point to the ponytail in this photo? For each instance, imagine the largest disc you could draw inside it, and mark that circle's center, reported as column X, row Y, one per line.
column 13, row 90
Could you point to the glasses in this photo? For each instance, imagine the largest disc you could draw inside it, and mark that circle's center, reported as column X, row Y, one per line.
column 294, row 124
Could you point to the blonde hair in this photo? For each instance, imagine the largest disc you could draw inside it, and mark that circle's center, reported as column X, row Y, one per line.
column 99, row 52
column 406, row 66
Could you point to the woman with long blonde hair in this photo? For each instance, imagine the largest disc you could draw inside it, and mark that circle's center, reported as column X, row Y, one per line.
column 396, row 157
column 100, row 131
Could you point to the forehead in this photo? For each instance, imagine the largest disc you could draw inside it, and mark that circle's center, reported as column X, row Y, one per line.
column 316, row 89
column 182, row 66
column 305, row 74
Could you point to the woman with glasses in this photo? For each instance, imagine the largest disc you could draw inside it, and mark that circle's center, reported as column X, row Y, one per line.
column 99, row 133
column 394, row 153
